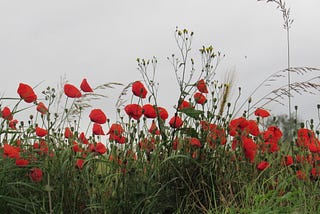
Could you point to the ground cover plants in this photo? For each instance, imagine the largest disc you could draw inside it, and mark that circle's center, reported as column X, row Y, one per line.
column 205, row 156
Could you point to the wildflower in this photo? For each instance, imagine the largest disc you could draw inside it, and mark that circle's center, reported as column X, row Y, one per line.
column 42, row 108
column 98, row 116
column 195, row 142
column 13, row 123
column 40, row 132
column 97, row 129
column 176, row 122
column 201, row 86
column 100, row 148
column 71, row 91
column 21, row 162
column 116, row 129
column 83, row 138
column 154, row 129
column 261, row 113
column 36, row 174
column 75, row 147
column 250, row 148
column 263, row 165
column 134, row 111
column 11, row 151
column 85, row 87
column 149, row 111
column 184, row 104
column 6, row 113
column 139, row 90
column 253, row 128
column 79, row 163
column 26, row 93
column 163, row 114
column 237, row 126
column 147, row 144
column 116, row 132
column 68, row 133
column 42, row 147
column 288, row 160
column 301, row 175
column 200, row 98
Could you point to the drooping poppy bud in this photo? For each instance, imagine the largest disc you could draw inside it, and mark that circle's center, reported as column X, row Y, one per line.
column 71, row 91
column 26, row 93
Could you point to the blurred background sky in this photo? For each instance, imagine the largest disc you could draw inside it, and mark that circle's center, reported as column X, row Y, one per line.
column 101, row 39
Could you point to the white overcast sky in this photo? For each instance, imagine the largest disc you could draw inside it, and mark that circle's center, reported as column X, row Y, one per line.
column 100, row 40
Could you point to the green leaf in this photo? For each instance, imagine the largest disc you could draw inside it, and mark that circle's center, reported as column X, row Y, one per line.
column 192, row 112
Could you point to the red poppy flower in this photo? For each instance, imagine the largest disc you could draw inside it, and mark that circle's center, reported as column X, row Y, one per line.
column 21, row 162
column 154, row 129
column 6, row 113
column 71, row 91
column 42, row 108
column 176, row 122
column 68, row 133
column 42, row 147
column 288, row 160
column 237, row 126
column 116, row 129
column 201, row 86
column 149, row 111
column 261, row 113
column 83, row 138
column 26, row 93
column 250, row 148
column 11, row 151
column 98, row 116
column 36, row 174
column 40, row 132
column 301, row 175
column 139, row 90
column 100, row 148
column 97, row 129
column 200, row 98
column 195, row 142
column 75, row 147
column 163, row 114
column 79, row 163
column 134, row 111
column 253, row 128
column 184, row 104
column 263, row 165
column 147, row 144
column 13, row 123
column 85, row 87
